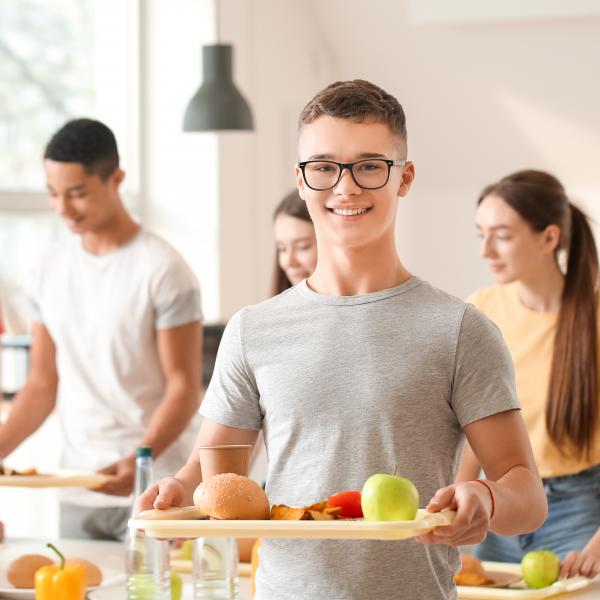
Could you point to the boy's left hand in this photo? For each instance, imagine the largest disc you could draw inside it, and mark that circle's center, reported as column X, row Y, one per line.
column 473, row 507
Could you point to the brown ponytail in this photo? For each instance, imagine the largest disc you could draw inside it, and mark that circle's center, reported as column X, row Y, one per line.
column 572, row 408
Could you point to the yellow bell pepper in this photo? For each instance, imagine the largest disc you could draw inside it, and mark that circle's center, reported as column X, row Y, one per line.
column 57, row 582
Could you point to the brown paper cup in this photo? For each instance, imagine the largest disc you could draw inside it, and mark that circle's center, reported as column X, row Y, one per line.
column 224, row 459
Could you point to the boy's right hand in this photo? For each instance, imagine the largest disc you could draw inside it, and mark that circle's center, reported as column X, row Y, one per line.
column 164, row 494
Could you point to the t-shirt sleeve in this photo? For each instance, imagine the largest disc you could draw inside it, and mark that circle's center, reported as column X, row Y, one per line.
column 232, row 397
column 176, row 295
column 484, row 381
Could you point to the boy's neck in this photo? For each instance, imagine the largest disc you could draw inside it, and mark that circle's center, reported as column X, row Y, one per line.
column 357, row 271
column 112, row 235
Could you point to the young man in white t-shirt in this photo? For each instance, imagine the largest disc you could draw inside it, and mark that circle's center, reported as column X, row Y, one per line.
column 361, row 368
column 116, row 341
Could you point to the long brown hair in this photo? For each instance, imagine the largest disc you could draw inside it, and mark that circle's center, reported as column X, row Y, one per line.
column 293, row 206
column 572, row 407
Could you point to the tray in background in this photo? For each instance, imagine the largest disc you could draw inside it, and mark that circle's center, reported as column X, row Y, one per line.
column 516, row 593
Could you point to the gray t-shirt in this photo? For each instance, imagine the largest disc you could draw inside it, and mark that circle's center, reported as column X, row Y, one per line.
column 348, row 386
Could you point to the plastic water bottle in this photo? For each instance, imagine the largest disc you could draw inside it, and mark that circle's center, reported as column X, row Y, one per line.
column 215, row 569
column 147, row 559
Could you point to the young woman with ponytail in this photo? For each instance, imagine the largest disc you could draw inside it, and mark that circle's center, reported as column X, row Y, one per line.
column 542, row 252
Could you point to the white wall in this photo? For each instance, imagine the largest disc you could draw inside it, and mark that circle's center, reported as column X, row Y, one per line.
column 178, row 171
column 482, row 100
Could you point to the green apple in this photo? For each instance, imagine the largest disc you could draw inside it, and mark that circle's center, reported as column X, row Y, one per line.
column 389, row 498
column 176, row 586
column 540, row 568
column 187, row 549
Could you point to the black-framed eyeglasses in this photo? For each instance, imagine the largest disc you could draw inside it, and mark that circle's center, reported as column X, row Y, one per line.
column 369, row 174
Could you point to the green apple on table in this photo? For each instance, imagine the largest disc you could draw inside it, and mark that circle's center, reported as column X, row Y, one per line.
column 540, row 568
column 389, row 498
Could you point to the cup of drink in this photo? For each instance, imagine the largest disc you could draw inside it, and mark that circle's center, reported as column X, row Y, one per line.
column 232, row 458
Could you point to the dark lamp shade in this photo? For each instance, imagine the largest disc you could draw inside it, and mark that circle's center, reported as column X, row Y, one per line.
column 217, row 105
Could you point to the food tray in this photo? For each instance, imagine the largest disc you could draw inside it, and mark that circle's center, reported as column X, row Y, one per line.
column 82, row 479
column 333, row 529
column 516, row 593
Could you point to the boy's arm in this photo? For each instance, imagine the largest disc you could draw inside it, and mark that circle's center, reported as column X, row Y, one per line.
column 180, row 353
column 36, row 400
column 515, row 495
column 469, row 467
column 179, row 490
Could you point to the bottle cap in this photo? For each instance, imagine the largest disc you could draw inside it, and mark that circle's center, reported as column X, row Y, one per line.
column 144, row 451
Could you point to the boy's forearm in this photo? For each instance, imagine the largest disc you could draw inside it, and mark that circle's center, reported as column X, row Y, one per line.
column 190, row 477
column 520, row 502
column 29, row 409
column 469, row 467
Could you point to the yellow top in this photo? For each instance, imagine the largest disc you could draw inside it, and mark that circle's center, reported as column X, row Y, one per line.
column 529, row 336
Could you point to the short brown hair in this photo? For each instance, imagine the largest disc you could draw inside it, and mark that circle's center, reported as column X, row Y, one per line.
column 358, row 100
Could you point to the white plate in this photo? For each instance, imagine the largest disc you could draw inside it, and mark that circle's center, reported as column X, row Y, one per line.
column 334, row 529
column 109, row 556
column 63, row 478
column 518, row 593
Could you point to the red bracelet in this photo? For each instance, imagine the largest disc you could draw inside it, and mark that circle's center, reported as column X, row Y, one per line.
column 489, row 489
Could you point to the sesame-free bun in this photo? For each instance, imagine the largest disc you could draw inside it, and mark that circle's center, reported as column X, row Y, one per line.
column 21, row 571
column 231, row 496
column 471, row 571
column 94, row 574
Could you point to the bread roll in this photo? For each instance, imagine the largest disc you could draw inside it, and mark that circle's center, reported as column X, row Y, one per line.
column 471, row 571
column 94, row 574
column 231, row 496
column 21, row 571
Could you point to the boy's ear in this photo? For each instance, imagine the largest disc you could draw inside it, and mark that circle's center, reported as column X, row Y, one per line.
column 300, row 183
column 408, row 176
column 117, row 176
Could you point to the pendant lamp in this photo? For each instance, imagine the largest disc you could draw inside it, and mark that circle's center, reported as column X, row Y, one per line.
column 217, row 105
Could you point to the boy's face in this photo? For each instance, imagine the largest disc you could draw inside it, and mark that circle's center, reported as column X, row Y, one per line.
column 346, row 141
column 84, row 201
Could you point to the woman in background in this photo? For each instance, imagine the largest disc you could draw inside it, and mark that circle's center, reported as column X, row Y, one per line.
column 295, row 243
column 549, row 317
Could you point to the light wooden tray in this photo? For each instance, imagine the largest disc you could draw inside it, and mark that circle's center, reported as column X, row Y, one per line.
column 334, row 529
column 66, row 478
column 489, row 593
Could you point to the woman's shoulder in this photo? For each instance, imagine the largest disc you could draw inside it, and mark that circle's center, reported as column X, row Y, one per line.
column 492, row 297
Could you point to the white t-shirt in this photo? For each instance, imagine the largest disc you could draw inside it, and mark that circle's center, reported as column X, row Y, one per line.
column 102, row 312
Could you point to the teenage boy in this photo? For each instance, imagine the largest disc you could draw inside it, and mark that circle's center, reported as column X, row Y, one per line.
column 116, row 336
column 362, row 368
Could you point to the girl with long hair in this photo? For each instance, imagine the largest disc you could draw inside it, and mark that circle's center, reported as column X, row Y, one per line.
column 295, row 243
column 542, row 252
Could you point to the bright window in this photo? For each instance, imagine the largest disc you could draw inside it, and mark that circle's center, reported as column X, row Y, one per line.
column 59, row 59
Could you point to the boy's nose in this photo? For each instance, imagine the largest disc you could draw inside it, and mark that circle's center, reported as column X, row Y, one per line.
column 346, row 184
